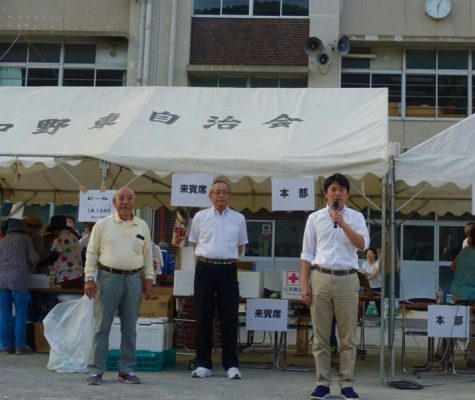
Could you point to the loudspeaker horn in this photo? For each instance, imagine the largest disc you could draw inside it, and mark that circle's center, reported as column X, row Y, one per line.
column 344, row 45
column 323, row 58
column 313, row 46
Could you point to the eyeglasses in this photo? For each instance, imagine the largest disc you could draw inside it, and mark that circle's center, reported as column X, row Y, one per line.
column 219, row 192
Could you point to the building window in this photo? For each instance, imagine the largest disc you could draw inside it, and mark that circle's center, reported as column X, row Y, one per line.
column 418, row 243
column 450, row 242
column 80, row 53
column 44, row 52
column 274, row 238
column 57, row 64
column 437, row 83
column 253, row 82
column 261, row 239
column 42, row 77
column 110, row 77
column 258, row 8
column 359, row 73
column 78, row 77
column 288, row 238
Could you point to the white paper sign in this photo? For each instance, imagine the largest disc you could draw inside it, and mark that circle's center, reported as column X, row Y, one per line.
column 448, row 321
column 94, row 205
column 290, row 194
column 191, row 190
column 266, row 315
column 291, row 285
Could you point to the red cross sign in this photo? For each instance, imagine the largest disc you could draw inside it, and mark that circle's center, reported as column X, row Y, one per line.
column 293, row 278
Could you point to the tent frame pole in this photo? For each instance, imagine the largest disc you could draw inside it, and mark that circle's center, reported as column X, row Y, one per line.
column 392, row 275
column 383, row 276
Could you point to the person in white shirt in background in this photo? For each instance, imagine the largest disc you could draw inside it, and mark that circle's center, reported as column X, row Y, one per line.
column 466, row 230
column 370, row 268
column 157, row 260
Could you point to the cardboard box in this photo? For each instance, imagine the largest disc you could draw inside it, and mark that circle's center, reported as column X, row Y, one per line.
column 184, row 283
column 291, row 285
column 185, row 259
column 40, row 281
column 251, row 285
column 41, row 344
column 245, row 266
column 163, row 290
column 158, row 306
column 153, row 334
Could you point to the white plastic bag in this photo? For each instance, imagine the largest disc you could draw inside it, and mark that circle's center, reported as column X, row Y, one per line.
column 69, row 329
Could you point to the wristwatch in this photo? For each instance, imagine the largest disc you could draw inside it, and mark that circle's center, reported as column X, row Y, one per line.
column 88, row 279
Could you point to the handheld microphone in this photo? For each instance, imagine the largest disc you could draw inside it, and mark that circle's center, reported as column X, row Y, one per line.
column 335, row 207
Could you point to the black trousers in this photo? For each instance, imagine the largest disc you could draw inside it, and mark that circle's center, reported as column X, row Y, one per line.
column 216, row 285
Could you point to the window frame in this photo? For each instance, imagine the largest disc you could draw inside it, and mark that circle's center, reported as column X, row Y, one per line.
column 249, row 78
column 251, row 12
column 61, row 66
column 372, row 72
column 405, row 72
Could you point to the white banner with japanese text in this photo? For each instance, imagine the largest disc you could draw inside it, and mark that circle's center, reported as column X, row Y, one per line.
column 290, row 194
column 449, row 321
column 266, row 315
column 191, row 190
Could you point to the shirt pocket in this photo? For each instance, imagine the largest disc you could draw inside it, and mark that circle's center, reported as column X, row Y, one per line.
column 232, row 235
column 138, row 245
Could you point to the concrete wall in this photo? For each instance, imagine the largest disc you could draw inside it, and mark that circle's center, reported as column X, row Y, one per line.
column 406, row 18
column 101, row 17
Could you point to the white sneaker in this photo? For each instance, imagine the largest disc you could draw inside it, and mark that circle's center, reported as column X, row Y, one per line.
column 201, row 372
column 233, row 373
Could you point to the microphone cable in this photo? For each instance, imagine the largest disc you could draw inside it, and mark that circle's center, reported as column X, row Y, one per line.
column 405, row 384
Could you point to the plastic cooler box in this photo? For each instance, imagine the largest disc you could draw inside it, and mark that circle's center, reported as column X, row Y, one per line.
column 153, row 334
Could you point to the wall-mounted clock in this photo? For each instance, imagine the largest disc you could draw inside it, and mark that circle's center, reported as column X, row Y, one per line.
column 438, row 9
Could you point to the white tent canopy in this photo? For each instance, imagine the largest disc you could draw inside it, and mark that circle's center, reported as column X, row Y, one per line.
column 52, row 139
column 440, row 170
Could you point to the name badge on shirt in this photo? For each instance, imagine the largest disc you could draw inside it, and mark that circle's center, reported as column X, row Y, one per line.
column 138, row 244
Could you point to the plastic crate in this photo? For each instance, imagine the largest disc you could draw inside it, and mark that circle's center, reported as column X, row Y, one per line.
column 147, row 361
column 170, row 358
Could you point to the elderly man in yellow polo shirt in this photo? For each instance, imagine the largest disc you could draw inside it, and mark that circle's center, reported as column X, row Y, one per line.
column 118, row 269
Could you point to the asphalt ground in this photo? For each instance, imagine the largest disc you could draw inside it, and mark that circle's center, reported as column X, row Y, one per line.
column 26, row 377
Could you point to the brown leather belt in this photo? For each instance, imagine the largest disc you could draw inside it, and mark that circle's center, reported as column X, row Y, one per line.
column 119, row 271
column 217, row 261
column 338, row 272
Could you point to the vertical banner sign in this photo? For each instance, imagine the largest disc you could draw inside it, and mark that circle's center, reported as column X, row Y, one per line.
column 179, row 231
column 266, row 315
column 191, row 190
column 94, row 205
column 293, row 194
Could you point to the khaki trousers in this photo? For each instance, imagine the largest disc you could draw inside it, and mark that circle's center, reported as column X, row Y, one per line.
column 334, row 295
